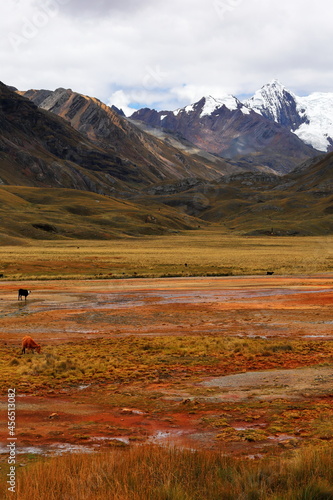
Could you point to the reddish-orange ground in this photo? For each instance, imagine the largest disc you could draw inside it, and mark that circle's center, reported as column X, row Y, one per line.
column 266, row 306
column 63, row 311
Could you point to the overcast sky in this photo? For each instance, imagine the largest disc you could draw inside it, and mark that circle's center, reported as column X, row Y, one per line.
column 166, row 54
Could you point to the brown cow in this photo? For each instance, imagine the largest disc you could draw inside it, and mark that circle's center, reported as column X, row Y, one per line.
column 29, row 343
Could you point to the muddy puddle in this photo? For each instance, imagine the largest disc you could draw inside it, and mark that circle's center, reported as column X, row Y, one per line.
column 50, row 450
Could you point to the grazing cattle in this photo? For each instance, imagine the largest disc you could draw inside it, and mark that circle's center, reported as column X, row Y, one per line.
column 23, row 293
column 29, row 343
column 270, row 272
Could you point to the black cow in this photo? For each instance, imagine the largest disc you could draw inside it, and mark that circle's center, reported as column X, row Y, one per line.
column 23, row 293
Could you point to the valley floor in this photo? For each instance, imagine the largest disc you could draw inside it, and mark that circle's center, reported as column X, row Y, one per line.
column 238, row 364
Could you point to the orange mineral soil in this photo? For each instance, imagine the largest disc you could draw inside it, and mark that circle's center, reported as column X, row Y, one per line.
column 81, row 418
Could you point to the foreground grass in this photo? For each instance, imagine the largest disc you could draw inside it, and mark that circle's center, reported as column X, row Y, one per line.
column 152, row 473
column 193, row 253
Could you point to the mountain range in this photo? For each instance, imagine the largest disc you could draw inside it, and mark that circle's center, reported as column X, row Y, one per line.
column 221, row 161
column 272, row 131
column 309, row 117
column 144, row 158
column 230, row 129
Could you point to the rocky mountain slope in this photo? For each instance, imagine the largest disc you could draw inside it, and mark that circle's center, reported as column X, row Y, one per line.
column 40, row 149
column 309, row 117
column 155, row 159
column 232, row 130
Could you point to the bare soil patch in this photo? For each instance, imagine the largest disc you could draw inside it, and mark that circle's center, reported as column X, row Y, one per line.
column 275, row 383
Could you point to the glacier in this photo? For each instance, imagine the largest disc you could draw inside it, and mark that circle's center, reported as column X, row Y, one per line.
column 309, row 117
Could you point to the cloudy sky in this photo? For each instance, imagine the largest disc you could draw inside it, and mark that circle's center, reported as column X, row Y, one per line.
column 166, row 53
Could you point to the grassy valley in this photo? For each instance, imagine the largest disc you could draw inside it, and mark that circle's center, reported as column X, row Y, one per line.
column 271, row 440
column 298, row 204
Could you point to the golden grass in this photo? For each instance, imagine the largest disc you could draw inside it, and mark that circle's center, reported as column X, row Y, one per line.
column 122, row 370
column 62, row 233
column 147, row 359
column 152, row 473
column 205, row 251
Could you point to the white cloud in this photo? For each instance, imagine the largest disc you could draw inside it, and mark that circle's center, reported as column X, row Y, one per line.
column 166, row 54
column 122, row 100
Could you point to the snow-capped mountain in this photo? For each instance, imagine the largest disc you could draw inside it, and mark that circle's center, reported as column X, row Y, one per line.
column 309, row 117
column 208, row 105
column 277, row 103
column 231, row 129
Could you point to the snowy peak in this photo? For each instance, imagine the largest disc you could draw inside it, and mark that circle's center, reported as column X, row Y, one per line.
column 209, row 105
column 268, row 99
column 275, row 102
column 310, row 117
column 228, row 128
column 229, row 101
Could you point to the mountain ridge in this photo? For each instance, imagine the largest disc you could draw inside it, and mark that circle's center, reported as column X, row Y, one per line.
column 236, row 132
column 157, row 158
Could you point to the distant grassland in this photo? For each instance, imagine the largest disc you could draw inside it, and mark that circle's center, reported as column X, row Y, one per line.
column 204, row 252
column 63, row 233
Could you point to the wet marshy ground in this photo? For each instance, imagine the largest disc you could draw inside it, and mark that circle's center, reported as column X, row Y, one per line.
column 264, row 306
column 238, row 412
